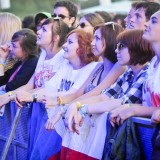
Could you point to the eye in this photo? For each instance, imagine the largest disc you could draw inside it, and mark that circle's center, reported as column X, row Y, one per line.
column 153, row 21
column 70, row 42
column 97, row 38
column 44, row 29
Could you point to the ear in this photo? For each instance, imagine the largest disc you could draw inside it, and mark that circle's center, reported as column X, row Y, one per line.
column 71, row 21
column 56, row 38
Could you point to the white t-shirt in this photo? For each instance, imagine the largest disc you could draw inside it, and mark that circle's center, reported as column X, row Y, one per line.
column 46, row 69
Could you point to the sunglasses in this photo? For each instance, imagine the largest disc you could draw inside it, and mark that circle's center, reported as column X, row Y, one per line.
column 111, row 23
column 83, row 25
column 60, row 16
column 120, row 46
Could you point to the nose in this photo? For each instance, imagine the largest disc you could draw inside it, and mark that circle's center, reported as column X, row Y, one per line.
column 64, row 47
column 93, row 43
column 116, row 50
column 146, row 24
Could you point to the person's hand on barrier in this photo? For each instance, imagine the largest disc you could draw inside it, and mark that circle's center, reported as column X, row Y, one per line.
column 24, row 96
column 73, row 118
column 50, row 101
column 55, row 118
column 120, row 114
column 18, row 103
column 156, row 117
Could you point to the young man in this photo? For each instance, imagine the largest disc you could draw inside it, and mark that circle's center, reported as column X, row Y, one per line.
column 143, row 12
column 67, row 11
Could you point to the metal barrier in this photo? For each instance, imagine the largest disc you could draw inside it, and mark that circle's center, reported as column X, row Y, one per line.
column 19, row 144
column 18, row 147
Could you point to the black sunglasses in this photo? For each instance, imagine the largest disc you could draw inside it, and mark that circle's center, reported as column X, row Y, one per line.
column 83, row 25
column 120, row 46
column 60, row 16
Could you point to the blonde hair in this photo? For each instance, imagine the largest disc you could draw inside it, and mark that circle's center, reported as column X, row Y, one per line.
column 10, row 24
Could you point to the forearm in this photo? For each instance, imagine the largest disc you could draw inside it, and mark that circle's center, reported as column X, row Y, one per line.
column 142, row 111
column 104, row 106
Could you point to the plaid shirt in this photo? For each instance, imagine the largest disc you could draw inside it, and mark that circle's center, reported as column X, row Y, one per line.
column 125, row 88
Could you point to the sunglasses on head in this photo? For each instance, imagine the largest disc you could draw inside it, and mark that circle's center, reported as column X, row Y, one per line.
column 120, row 46
column 60, row 16
column 111, row 23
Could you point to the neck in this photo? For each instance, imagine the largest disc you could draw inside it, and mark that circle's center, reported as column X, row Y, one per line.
column 107, row 65
column 156, row 48
column 76, row 63
column 137, row 68
column 50, row 53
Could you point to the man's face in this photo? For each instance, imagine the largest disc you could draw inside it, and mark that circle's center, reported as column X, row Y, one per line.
column 138, row 20
column 63, row 13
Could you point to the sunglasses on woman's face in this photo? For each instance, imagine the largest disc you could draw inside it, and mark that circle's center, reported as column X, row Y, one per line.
column 82, row 25
column 120, row 46
column 60, row 16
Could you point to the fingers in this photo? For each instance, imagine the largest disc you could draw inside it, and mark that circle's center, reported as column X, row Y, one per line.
column 49, row 125
column 18, row 103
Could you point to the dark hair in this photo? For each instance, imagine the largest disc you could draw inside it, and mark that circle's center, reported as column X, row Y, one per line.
column 110, row 34
column 70, row 6
column 105, row 15
column 58, row 28
column 119, row 18
column 134, row 4
column 27, row 40
column 85, row 49
column 28, row 22
column 139, row 49
column 150, row 8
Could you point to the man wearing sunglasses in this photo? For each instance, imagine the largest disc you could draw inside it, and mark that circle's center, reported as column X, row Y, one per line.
column 67, row 11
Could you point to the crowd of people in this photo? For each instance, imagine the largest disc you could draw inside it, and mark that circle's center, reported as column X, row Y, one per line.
column 77, row 75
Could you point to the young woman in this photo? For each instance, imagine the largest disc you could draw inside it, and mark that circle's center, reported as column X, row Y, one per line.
column 50, row 38
column 70, row 77
column 132, row 51
column 22, row 47
column 10, row 24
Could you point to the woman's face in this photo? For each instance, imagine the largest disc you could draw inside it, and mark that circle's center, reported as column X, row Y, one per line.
column 16, row 50
column 85, row 25
column 70, row 47
column 98, row 43
column 44, row 36
column 123, row 55
column 152, row 29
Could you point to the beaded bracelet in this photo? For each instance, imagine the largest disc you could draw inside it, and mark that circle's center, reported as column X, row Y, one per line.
column 11, row 95
column 79, row 105
column 59, row 100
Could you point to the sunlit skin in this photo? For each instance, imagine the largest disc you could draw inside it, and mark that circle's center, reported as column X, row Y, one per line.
column 44, row 36
column 98, row 44
column 138, row 20
column 88, row 27
column 70, row 48
column 128, row 18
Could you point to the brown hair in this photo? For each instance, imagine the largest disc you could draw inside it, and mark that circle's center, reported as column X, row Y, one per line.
column 109, row 32
column 28, row 40
column 85, row 49
column 139, row 49
column 58, row 28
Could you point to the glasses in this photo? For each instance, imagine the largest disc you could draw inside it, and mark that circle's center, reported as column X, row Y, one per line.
column 120, row 46
column 83, row 25
column 60, row 16
column 111, row 23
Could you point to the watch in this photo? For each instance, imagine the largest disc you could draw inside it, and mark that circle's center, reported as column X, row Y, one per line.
column 34, row 97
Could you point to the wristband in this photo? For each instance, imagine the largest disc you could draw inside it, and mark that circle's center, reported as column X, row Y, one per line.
column 34, row 97
column 83, row 110
column 79, row 105
column 59, row 100
column 11, row 96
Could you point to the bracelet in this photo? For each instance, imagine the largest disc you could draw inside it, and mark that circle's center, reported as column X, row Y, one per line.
column 79, row 105
column 83, row 110
column 11, row 95
column 2, row 63
column 63, row 108
column 34, row 97
column 128, row 105
column 59, row 100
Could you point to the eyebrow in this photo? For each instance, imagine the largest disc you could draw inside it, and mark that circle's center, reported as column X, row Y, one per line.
column 154, row 18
